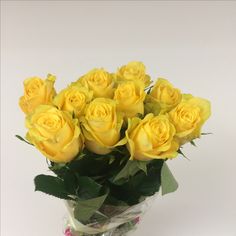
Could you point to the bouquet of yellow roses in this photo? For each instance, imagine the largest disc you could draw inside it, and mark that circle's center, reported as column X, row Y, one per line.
column 107, row 138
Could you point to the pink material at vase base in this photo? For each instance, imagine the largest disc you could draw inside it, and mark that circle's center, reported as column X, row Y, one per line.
column 68, row 232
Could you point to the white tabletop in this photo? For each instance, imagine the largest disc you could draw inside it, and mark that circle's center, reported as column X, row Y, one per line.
column 193, row 44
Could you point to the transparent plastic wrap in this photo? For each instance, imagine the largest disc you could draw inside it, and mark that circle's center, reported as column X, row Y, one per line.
column 115, row 220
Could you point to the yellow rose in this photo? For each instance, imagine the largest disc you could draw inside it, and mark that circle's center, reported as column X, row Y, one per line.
column 164, row 96
column 189, row 116
column 151, row 138
column 55, row 133
column 37, row 92
column 99, row 81
column 130, row 97
column 133, row 71
column 73, row 99
column 101, row 126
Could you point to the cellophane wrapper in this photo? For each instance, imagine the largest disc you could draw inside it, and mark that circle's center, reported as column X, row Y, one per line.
column 115, row 220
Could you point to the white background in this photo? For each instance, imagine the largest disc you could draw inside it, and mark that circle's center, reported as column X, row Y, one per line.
column 193, row 44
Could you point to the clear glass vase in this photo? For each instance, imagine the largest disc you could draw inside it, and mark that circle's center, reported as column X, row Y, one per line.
column 118, row 220
column 121, row 230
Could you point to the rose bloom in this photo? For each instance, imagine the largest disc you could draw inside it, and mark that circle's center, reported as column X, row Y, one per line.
column 73, row 99
column 55, row 133
column 99, row 81
column 133, row 71
column 151, row 138
column 189, row 116
column 37, row 92
column 164, row 96
column 130, row 96
column 101, row 126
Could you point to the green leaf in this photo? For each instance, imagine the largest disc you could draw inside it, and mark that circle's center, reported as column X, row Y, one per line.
column 139, row 185
column 168, row 182
column 22, row 139
column 84, row 209
column 153, row 107
column 112, row 200
column 130, row 169
column 83, row 165
column 180, row 152
column 60, row 169
column 71, row 182
column 206, row 133
column 142, row 165
column 56, row 166
column 193, row 143
column 51, row 185
column 111, row 160
column 122, row 161
column 150, row 184
column 88, row 188
column 80, row 156
column 149, row 89
column 140, row 115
